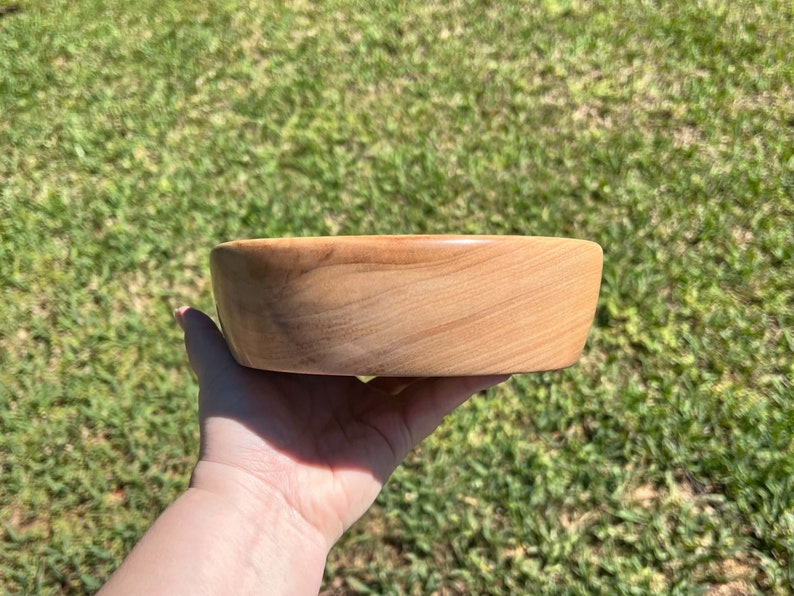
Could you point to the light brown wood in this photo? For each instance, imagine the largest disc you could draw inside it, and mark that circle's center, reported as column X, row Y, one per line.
column 407, row 305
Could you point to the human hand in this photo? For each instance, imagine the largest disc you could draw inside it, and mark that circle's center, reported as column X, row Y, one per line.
column 320, row 446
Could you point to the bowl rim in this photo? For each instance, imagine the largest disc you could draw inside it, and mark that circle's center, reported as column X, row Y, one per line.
column 396, row 240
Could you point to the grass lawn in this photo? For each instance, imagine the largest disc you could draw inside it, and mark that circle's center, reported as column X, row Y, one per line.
column 134, row 136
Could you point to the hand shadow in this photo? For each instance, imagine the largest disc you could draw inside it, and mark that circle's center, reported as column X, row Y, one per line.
column 326, row 422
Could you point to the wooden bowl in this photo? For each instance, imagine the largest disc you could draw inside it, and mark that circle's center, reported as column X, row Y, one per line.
column 407, row 305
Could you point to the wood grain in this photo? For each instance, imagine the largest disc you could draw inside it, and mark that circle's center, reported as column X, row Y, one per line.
column 407, row 305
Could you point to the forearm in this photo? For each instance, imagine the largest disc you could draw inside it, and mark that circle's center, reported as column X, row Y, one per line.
column 217, row 542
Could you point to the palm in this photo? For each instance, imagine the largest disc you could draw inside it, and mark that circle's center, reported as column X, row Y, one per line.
column 327, row 443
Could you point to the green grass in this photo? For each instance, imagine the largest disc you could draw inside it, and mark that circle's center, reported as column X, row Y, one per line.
column 136, row 135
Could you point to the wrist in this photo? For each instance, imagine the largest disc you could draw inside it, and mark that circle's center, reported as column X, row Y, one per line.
column 275, row 538
column 221, row 537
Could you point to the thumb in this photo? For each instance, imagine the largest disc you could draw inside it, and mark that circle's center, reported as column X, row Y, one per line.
column 206, row 348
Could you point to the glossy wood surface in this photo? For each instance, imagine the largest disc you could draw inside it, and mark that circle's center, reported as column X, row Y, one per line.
column 407, row 305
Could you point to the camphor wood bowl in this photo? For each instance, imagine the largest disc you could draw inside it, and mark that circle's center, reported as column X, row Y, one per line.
column 407, row 305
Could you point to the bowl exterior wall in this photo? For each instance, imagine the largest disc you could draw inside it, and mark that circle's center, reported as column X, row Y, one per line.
column 407, row 305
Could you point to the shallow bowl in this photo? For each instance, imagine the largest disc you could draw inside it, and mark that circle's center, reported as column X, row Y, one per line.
column 407, row 305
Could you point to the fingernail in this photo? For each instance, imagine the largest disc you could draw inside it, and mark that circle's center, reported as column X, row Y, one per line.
column 179, row 316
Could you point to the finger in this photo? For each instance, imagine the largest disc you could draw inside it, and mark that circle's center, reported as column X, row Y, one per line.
column 206, row 348
column 392, row 385
column 426, row 402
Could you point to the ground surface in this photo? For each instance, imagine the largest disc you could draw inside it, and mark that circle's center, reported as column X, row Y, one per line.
column 136, row 135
